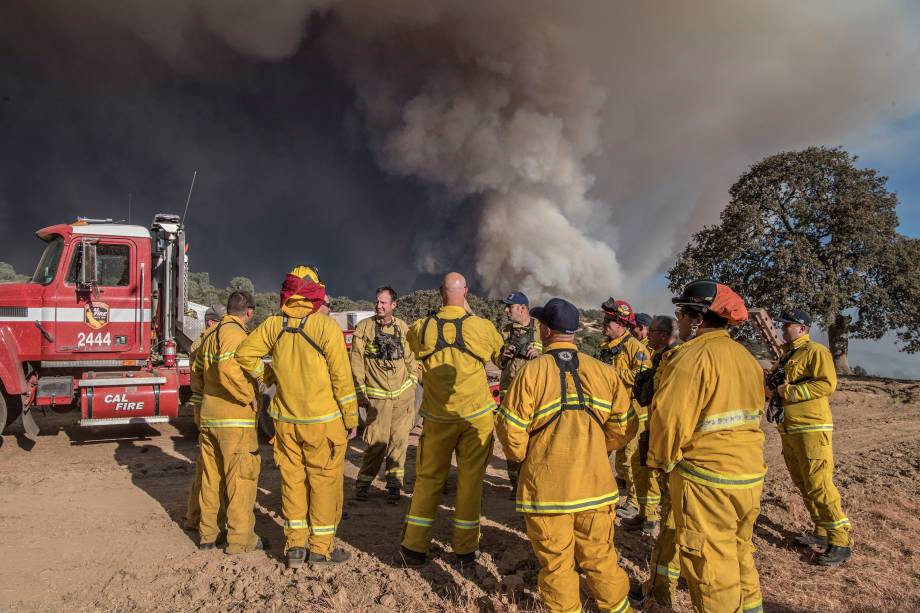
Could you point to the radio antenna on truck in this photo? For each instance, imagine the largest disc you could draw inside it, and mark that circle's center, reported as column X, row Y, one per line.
column 189, row 199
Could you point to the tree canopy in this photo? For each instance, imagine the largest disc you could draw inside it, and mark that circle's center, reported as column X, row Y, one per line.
column 9, row 274
column 809, row 229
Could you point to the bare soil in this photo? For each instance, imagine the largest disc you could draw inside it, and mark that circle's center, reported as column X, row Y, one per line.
column 92, row 520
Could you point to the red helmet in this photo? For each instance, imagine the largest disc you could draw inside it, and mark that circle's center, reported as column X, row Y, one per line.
column 619, row 310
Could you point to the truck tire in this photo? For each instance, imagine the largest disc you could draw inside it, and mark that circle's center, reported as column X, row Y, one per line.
column 10, row 409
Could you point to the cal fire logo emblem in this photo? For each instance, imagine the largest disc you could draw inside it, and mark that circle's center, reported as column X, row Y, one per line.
column 96, row 314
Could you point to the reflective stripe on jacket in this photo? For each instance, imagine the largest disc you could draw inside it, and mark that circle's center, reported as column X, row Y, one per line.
column 705, row 414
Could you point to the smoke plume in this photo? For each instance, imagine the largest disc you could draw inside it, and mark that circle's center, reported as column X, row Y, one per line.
column 559, row 148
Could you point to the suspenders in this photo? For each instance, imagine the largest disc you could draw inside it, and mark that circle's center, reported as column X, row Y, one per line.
column 442, row 342
column 567, row 362
column 286, row 329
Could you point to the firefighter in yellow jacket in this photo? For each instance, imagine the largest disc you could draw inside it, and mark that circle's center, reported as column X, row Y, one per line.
column 522, row 343
column 641, row 330
column 629, row 357
column 704, row 428
column 313, row 410
column 385, row 374
column 227, row 424
column 562, row 416
column 212, row 317
column 664, row 341
column 805, row 428
column 453, row 346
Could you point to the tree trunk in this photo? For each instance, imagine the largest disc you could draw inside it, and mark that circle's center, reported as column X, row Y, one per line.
column 838, row 337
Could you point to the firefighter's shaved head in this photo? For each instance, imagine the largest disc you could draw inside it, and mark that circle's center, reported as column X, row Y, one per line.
column 453, row 289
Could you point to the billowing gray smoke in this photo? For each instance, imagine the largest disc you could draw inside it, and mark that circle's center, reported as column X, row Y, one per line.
column 561, row 148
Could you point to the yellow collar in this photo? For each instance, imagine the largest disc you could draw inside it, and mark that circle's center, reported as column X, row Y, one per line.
column 452, row 312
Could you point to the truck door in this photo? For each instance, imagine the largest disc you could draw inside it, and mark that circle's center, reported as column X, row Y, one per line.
column 109, row 318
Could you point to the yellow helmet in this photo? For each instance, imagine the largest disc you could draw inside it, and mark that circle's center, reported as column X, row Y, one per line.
column 307, row 272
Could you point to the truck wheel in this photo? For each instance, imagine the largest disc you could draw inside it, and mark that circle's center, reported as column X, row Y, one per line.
column 10, row 409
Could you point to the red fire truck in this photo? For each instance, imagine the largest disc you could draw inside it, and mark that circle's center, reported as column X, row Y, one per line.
column 102, row 325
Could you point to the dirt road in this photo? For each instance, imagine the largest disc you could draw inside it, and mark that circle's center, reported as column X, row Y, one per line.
column 92, row 521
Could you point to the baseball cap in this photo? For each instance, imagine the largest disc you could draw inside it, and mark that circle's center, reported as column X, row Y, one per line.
column 795, row 316
column 643, row 319
column 557, row 314
column 215, row 312
column 516, row 298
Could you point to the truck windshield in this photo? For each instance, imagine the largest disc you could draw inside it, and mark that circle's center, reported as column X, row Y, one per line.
column 48, row 265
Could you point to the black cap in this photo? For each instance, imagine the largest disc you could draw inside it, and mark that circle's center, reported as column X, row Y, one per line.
column 643, row 319
column 795, row 316
column 558, row 314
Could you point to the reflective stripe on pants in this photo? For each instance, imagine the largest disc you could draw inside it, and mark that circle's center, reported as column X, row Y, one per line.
column 231, row 461
column 714, row 531
column 559, row 541
column 809, row 457
column 472, row 442
column 387, row 436
column 311, row 460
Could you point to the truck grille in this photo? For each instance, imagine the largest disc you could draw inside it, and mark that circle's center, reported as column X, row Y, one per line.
column 10, row 311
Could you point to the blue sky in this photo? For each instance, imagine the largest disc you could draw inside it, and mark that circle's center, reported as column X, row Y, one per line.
column 894, row 150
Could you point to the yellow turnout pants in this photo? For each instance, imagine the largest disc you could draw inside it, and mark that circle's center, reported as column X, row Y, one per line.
column 644, row 489
column 311, row 460
column 559, row 541
column 387, row 436
column 665, row 564
column 624, row 469
column 193, row 509
column 714, row 531
column 809, row 457
column 230, row 460
column 472, row 442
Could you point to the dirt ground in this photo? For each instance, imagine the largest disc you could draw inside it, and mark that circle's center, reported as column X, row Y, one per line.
column 92, row 522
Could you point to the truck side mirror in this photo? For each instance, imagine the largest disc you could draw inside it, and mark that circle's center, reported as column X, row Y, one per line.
column 86, row 279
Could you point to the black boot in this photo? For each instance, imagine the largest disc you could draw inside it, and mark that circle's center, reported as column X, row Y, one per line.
column 639, row 522
column 362, row 491
column 466, row 560
column 394, row 493
column 637, row 592
column 336, row 557
column 412, row 559
column 834, row 556
column 296, row 556
column 810, row 540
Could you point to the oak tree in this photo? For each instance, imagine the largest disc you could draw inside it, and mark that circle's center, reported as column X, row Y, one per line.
column 810, row 229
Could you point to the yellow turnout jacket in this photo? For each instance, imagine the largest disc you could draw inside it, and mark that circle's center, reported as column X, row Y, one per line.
column 313, row 376
column 377, row 378
column 454, row 380
column 705, row 415
column 565, row 454
column 811, row 378
column 511, row 366
column 227, row 394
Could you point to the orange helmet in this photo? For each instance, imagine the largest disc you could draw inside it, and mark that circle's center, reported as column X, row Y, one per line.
column 705, row 295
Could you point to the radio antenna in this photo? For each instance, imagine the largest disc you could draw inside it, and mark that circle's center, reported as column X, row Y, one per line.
column 129, row 207
column 189, row 199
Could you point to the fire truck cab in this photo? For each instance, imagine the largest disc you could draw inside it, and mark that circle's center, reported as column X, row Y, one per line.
column 99, row 325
